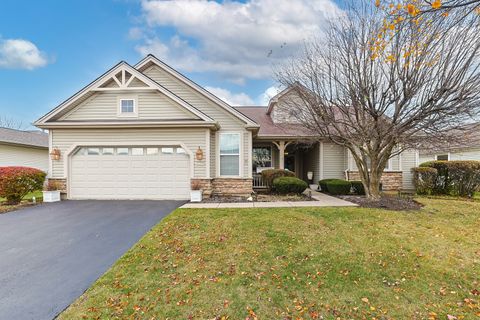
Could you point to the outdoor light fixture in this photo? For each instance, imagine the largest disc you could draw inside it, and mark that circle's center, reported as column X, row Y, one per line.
column 199, row 154
column 55, row 154
column 310, row 175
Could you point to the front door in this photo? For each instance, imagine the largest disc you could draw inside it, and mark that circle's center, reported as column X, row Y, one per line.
column 290, row 162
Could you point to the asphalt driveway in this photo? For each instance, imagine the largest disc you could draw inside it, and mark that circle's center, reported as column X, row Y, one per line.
column 50, row 254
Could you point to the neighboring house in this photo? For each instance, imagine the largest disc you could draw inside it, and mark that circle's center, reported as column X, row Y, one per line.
column 24, row 148
column 148, row 132
column 466, row 148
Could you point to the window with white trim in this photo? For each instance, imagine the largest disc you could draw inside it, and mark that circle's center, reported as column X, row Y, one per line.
column 388, row 167
column 443, row 157
column 127, row 106
column 229, row 154
column 261, row 158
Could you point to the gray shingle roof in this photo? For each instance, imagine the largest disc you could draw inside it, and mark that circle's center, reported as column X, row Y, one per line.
column 27, row 138
column 268, row 128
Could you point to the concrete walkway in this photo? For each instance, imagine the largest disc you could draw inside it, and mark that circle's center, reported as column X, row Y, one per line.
column 321, row 200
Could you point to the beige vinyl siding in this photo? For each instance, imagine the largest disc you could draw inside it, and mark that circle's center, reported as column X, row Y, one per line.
column 334, row 161
column 394, row 162
column 64, row 139
column 24, row 156
column 409, row 161
column 312, row 162
column 424, row 158
column 275, row 156
column 213, row 154
column 470, row 154
column 247, row 145
column 226, row 120
column 136, row 83
column 151, row 105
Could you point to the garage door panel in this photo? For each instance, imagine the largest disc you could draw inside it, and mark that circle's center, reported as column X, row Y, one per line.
column 154, row 176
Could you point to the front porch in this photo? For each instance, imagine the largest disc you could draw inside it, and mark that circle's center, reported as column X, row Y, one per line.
column 300, row 157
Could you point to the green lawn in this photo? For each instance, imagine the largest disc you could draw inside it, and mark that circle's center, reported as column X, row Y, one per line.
column 304, row 263
column 37, row 194
column 7, row 208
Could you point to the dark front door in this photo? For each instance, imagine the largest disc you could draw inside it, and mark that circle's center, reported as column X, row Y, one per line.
column 290, row 162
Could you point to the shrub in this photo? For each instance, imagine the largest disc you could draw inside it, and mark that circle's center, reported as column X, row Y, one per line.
column 324, row 184
column 464, row 177
column 52, row 185
column 358, row 187
column 338, row 187
column 424, row 179
column 286, row 185
column 17, row 182
column 442, row 183
column 460, row 178
column 270, row 175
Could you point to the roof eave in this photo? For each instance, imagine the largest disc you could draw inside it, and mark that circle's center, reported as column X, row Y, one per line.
column 120, row 124
column 15, row 144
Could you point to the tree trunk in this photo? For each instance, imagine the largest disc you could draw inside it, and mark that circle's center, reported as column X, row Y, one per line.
column 372, row 190
column 371, row 181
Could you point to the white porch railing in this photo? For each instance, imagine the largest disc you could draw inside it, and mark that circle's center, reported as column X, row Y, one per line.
column 258, row 182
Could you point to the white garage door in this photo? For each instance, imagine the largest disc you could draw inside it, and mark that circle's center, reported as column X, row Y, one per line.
column 130, row 173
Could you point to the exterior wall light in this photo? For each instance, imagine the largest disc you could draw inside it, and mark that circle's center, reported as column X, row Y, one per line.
column 199, row 154
column 55, row 154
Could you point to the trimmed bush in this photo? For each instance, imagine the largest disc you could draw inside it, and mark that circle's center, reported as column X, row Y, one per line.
column 324, row 184
column 459, row 178
column 286, row 185
column 358, row 187
column 270, row 175
column 17, row 182
column 464, row 177
column 424, row 179
column 339, row 187
column 442, row 183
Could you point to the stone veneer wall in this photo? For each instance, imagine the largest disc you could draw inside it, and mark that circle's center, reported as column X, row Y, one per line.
column 225, row 187
column 232, row 187
column 205, row 186
column 61, row 182
column 391, row 180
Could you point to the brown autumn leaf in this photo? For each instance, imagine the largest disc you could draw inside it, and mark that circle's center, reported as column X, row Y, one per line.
column 365, row 300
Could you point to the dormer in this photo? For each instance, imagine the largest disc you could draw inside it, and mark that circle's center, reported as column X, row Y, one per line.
column 283, row 107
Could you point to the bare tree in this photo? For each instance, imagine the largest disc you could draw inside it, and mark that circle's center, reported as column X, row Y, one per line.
column 378, row 91
column 10, row 123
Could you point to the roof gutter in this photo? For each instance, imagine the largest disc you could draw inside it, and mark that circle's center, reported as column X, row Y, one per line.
column 70, row 125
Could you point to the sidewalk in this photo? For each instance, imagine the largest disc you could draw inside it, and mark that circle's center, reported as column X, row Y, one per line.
column 322, row 200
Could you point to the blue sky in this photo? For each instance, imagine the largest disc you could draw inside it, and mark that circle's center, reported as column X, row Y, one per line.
column 51, row 49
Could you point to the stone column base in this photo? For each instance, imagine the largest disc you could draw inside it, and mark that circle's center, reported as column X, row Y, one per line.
column 391, row 180
column 205, row 186
column 225, row 187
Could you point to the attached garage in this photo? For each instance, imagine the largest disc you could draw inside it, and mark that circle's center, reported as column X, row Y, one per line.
column 130, row 172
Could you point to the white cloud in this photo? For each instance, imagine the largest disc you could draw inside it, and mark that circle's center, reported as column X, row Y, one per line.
column 268, row 94
column 237, row 40
column 21, row 54
column 135, row 33
column 234, row 99
column 243, row 99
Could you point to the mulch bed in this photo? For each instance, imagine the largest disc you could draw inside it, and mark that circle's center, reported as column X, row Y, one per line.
column 386, row 202
column 261, row 197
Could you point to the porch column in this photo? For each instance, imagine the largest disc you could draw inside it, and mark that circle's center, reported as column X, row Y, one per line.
column 281, row 145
